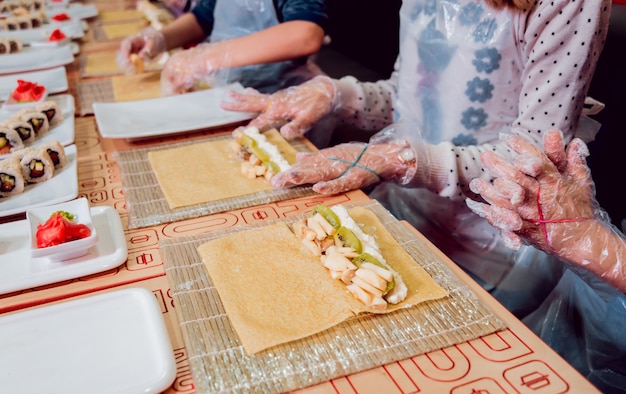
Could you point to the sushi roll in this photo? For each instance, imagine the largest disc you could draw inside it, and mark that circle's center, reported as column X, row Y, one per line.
column 56, row 152
column 52, row 111
column 5, row 49
column 9, row 141
column 35, row 20
column 38, row 5
column 11, row 177
column 37, row 166
column 23, row 128
column 15, row 44
column 12, row 24
column 23, row 22
column 14, row 5
column 36, row 119
column 26, row 5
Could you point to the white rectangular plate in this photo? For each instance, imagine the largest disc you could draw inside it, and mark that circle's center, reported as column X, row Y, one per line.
column 19, row 271
column 31, row 59
column 72, row 29
column 63, row 132
column 166, row 115
column 63, row 186
column 54, row 79
column 114, row 342
column 74, row 10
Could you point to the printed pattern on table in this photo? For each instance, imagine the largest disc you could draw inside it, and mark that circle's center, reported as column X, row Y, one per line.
column 497, row 363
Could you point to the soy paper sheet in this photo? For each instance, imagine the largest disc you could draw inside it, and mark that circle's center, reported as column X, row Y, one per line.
column 276, row 291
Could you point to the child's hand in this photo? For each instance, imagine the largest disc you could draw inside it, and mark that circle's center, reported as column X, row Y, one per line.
column 296, row 108
column 186, row 68
column 148, row 44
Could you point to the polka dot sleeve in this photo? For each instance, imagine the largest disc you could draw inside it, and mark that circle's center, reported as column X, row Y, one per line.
column 365, row 105
column 561, row 41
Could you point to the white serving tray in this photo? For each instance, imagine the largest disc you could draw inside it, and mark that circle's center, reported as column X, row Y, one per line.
column 20, row 271
column 63, row 186
column 166, row 115
column 114, row 342
column 74, row 10
column 36, row 58
column 63, row 132
column 72, row 29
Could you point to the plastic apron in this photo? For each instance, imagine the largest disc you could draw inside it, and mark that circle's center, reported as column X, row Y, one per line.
column 437, row 39
column 236, row 18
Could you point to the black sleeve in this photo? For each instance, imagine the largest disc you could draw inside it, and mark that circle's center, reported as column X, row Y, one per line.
column 203, row 11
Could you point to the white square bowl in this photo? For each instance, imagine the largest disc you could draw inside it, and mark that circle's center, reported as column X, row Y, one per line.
column 69, row 250
column 13, row 106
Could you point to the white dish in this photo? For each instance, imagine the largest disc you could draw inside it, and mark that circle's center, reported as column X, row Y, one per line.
column 74, row 10
column 20, row 271
column 79, row 208
column 57, row 3
column 12, row 105
column 31, row 59
column 63, row 186
column 166, row 115
column 72, row 29
column 63, row 132
column 114, row 342
column 54, row 79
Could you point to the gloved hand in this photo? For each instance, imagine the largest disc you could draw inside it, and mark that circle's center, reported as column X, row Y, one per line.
column 148, row 44
column 346, row 167
column 547, row 200
column 293, row 110
column 544, row 199
column 187, row 68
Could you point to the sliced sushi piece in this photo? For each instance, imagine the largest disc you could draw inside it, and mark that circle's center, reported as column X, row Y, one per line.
column 11, row 177
column 9, row 141
column 15, row 44
column 35, row 20
column 52, row 111
column 37, row 166
column 23, row 128
column 4, row 46
column 56, row 152
column 38, row 5
column 36, row 119
column 23, row 22
column 12, row 24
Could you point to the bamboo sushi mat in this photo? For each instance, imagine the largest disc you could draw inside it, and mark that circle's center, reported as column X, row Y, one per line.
column 98, row 65
column 219, row 363
column 147, row 205
column 96, row 91
column 118, row 29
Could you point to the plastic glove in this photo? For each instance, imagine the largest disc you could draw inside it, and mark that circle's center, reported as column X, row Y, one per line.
column 293, row 110
column 547, row 200
column 187, row 68
column 148, row 44
column 346, row 167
